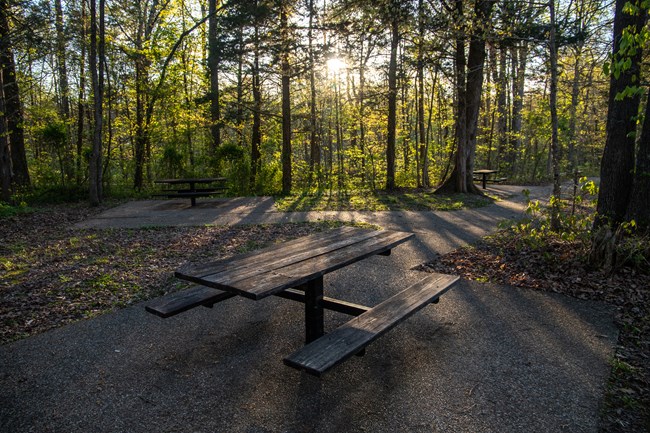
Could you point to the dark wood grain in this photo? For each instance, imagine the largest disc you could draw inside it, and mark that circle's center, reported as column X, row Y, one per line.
column 330, row 350
column 179, row 302
column 274, row 269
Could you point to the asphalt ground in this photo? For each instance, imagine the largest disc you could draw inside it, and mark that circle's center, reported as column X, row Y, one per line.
column 487, row 358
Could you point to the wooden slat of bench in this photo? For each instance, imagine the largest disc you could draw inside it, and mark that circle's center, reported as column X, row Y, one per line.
column 332, row 349
column 212, row 189
column 268, row 279
column 294, row 274
column 269, row 266
column 254, row 258
column 186, row 194
column 179, row 302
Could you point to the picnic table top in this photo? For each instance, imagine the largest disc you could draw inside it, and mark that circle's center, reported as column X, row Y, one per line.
column 265, row 272
column 191, row 180
column 484, row 171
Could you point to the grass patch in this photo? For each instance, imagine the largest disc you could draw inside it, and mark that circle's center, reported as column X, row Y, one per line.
column 407, row 199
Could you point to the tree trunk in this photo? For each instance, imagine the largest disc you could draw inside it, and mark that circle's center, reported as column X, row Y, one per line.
column 97, row 76
column 469, row 82
column 639, row 207
column 5, row 151
column 555, row 145
column 520, row 54
column 423, row 178
column 81, row 95
column 617, row 165
column 314, row 146
column 13, row 110
column 256, row 134
column 213, row 66
column 286, row 100
column 392, row 105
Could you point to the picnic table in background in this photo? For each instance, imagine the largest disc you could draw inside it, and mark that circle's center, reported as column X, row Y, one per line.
column 212, row 186
column 485, row 173
column 294, row 270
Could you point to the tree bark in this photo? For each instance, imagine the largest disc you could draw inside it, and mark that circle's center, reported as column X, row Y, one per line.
column 256, row 134
column 13, row 109
column 97, row 76
column 213, row 66
column 639, row 206
column 286, row 99
column 555, row 145
column 617, row 164
column 392, row 104
column 469, row 83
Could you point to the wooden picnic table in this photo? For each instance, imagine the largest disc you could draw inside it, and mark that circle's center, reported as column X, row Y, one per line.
column 294, row 270
column 191, row 191
column 484, row 173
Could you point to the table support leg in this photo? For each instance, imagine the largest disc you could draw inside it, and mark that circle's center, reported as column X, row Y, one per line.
column 314, row 317
column 484, row 181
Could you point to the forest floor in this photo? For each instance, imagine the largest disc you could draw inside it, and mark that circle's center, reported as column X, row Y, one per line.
column 52, row 275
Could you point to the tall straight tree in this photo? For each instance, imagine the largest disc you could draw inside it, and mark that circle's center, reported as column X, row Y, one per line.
column 12, row 114
column 617, row 166
column 97, row 45
column 213, row 66
column 618, row 161
column 285, row 48
column 469, row 83
column 394, row 13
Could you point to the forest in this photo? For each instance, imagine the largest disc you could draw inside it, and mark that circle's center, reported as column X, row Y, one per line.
column 285, row 95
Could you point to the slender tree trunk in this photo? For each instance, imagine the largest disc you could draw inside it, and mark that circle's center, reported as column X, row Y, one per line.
column 555, row 145
column 423, row 178
column 286, row 100
column 256, row 134
column 97, row 75
column 213, row 66
column 392, row 105
column 502, row 109
column 520, row 58
column 61, row 61
column 314, row 146
column 573, row 108
column 81, row 106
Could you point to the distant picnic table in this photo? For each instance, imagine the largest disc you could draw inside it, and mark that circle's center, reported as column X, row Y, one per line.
column 294, row 270
column 485, row 176
column 217, row 186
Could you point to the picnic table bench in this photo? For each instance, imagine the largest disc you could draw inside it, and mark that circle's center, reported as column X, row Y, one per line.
column 217, row 186
column 294, row 270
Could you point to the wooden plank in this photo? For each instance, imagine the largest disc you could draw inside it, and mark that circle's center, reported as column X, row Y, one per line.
column 277, row 258
column 332, row 349
column 295, row 274
column 266, row 265
column 253, row 258
column 179, row 302
column 191, row 180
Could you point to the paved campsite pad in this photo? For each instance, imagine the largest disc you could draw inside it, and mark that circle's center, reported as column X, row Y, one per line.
column 485, row 359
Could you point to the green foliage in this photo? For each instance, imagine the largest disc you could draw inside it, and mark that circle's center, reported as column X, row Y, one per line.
column 7, row 210
column 575, row 218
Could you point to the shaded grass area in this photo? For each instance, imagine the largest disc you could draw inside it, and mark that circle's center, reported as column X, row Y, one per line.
column 410, row 199
column 52, row 275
